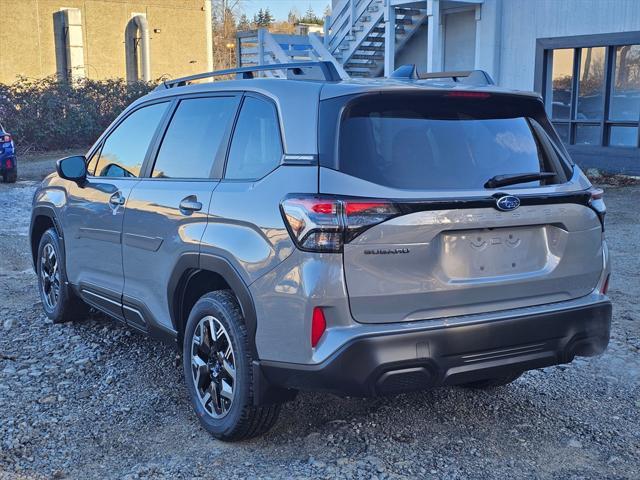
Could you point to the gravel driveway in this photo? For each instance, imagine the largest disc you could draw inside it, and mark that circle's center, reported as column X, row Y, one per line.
column 95, row 399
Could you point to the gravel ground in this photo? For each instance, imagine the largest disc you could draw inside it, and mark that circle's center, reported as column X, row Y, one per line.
column 96, row 400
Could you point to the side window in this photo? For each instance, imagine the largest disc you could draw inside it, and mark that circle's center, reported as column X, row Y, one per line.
column 194, row 137
column 124, row 150
column 256, row 148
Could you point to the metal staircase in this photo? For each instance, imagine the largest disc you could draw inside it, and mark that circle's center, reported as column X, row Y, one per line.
column 357, row 38
column 354, row 41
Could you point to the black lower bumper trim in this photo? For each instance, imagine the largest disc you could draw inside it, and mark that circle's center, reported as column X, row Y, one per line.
column 394, row 363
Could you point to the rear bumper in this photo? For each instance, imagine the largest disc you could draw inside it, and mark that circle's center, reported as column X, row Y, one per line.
column 398, row 362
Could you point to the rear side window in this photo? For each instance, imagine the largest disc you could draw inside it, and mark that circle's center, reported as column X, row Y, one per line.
column 431, row 142
column 194, row 137
column 125, row 148
column 256, row 148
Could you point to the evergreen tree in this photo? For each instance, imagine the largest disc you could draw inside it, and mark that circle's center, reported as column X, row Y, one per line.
column 258, row 19
column 243, row 23
column 268, row 18
column 294, row 16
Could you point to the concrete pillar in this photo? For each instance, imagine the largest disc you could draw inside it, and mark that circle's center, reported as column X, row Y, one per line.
column 208, row 29
column 389, row 39
column 74, row 44
column 434, row 37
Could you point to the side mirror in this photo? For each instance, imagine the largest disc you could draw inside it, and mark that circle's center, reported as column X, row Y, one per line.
column 73, row 168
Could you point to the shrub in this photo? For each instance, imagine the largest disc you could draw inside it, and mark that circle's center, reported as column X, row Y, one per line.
column 49, row 114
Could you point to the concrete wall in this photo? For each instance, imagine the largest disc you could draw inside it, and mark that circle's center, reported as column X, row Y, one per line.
column 28, row 46
column 460, row 41
column 414, row 50
column 524, row 21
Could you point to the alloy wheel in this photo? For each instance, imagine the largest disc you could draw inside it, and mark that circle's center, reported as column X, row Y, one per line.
column 50, row 276
column 213, row 366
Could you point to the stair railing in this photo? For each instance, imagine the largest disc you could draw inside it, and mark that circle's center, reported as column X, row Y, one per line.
column 345, row 16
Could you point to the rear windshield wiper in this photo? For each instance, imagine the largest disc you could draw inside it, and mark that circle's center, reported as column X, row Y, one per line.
column 513, row 178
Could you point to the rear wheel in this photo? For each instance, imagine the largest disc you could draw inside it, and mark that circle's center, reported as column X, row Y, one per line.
column 11, row 176
column 60, row 303
column 217, row 364
column 493, row 382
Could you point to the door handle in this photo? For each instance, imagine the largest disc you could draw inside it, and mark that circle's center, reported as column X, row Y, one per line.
column 190, row 204
column 117, row 199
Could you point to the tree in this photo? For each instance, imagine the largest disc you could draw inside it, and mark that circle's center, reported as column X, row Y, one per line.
column 263, row 19
column 243, row 23
column 268, row 18
column 258, row 18
column 224, row 14
column 294, row 16
column 311, row 17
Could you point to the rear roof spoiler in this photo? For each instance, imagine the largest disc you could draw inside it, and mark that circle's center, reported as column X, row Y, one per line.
column 468, row 77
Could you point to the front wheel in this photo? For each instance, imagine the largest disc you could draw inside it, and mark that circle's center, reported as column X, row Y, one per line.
column 59, row 301
column 217, row 364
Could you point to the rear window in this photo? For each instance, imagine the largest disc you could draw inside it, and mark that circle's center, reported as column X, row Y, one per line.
column 431, row 142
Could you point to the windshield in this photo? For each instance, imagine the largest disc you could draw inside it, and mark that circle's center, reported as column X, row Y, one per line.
column 432, row 142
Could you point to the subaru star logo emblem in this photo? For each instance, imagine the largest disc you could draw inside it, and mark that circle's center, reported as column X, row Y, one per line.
column 507, row 203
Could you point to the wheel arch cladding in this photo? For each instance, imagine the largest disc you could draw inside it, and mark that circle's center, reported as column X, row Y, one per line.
column 43, row 218
column 196, row 274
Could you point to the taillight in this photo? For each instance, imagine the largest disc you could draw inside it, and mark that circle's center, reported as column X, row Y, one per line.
column 318, row 326
column 322, row 223
column 8, row 163
column 6, row 137
column 596, row 202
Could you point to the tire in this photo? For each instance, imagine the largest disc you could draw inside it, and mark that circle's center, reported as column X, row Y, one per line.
column 493, row 382
column 59, row 301
column 210, row 372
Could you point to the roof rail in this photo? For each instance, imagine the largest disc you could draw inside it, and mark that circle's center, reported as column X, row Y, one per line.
column 295, row 71
column 468, row 77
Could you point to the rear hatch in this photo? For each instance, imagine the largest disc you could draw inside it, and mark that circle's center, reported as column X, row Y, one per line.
column 459, row 235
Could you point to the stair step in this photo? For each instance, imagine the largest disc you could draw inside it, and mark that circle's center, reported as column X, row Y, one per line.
column 408, row 11
column 373, row 8
column 367, row 48
column 380, row 30
column 374, row 39
column 362, row 63
column 404, row 21
column 357, row 28
column 364, row 56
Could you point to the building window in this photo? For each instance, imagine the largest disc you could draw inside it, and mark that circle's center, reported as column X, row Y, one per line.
column 593, row 94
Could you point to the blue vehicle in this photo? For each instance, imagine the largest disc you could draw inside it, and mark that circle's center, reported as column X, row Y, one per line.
column 8, row 160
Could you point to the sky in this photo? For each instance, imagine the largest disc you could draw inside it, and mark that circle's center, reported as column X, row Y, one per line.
column 280, row 8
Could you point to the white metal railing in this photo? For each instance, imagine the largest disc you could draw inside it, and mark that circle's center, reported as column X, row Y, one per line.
column 322, row 53
column 345, row 16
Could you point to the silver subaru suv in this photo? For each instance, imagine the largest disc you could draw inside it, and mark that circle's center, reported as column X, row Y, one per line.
column 311, row 233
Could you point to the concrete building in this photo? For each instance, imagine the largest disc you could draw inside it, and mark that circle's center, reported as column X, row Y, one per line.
column 100, row 39
column 583, row 56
